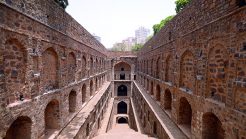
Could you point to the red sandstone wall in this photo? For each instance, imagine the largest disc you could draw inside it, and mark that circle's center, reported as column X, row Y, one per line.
column 202, row 52
column 52, row 15
column 44, row 56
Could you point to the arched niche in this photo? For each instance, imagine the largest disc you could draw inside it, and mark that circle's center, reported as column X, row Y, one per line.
column 122, row 90
column 20, row 129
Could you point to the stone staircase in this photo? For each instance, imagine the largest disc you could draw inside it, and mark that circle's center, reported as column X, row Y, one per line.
column 122, row 131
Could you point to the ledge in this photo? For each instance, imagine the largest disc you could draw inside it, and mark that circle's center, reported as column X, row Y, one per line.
column 72, row 129
column 172, row 130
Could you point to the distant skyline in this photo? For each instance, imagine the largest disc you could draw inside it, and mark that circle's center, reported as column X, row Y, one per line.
column 115, row 20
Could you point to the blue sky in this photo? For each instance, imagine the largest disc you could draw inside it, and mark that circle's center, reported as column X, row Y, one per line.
column 115, row 20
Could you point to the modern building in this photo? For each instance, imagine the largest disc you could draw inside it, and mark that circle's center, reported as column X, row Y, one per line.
column 129, row 43
column 141, row 35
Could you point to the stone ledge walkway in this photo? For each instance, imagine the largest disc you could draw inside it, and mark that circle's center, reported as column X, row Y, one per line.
column 169, row 126
column 135, row 113
column 122, row 131
column 103, row 128
column 71, row 130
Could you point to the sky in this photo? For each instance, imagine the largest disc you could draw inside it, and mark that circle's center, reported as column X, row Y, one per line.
column 115, row 20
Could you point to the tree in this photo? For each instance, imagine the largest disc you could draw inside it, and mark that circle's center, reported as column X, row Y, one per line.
column 149, row 37
column 62, row 3
column 119, row 47
column 180, row 4
column 157, row 27
column 137, row 47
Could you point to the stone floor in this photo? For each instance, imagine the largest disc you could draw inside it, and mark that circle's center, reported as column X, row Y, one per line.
column 122, row 131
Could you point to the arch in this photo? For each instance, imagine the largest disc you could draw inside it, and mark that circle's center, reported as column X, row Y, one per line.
column 97, row 66
column 50, row 69
column 217, row 66
column 20, row 129
column 152, row 67
column 158, row 65
column 98, row 123
column 52, row 115
column 122, row 70
column 124, row 65
column 122, row 76
column 146, row 67
column 71, row 66
column 96, row 88
column 185, row 113
column 122, row 108
column 187, row 71
column 15, row 66
column 148, row 88
column 158, row 92
column 84, row 66
column 91, row 65
column 122, row 120
column 72, row 101
column 122, row 90
column 91, row 88
column 83, row 93
column 154, row 128
column 212, row 127
column 167, row 100
column 88, row 129
column 152, row 88
column 168, row 69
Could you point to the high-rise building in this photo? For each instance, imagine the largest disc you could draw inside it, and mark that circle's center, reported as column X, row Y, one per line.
column 129, row 42
column 141, row 35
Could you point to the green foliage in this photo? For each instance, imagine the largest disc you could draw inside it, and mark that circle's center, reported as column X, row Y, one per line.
column 137, row 47
column 119, row 47
column 62, row 3
column 149, row 37
column 180, row 4
column 157, row 27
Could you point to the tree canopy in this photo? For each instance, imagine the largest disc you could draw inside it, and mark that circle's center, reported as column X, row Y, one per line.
column 157, row 27
column 137, row 47
column 180, row 4
column 62, row 3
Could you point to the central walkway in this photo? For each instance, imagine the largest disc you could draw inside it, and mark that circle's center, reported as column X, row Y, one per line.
column 122, row 131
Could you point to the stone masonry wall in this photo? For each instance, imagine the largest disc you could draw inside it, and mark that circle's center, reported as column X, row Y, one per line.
column 202, row 53
column 51, row 14
column 41, row 69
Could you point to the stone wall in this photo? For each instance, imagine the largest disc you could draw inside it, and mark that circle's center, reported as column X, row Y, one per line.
column 117, row 54
column 200, row 57
column 149, row 122
column 46, row 71
column 51, row 68
column 50, row 14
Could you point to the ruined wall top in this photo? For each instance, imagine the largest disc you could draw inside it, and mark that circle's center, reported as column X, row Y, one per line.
column 196, row 15
column 118, row 54
column 51, row 14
